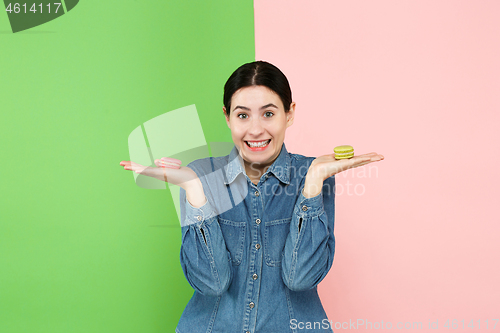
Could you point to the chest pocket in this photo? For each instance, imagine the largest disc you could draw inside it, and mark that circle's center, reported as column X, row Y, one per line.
column 234, row 237
column 275, row 234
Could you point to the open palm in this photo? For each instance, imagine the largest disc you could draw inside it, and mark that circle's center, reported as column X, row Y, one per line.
column 180, row 177
column 326, row 166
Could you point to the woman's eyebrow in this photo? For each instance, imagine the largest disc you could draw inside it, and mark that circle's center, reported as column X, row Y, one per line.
column 248, row 109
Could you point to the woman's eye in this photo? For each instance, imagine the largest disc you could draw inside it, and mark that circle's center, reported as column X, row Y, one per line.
column 269, row 114
column 242, row 114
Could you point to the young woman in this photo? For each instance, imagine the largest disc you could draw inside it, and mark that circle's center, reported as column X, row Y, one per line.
column 257, row 224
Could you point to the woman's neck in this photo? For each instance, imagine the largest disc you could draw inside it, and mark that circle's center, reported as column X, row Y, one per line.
column 254, row 172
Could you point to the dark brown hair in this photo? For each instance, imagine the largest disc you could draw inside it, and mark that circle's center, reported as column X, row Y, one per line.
column 258, row 73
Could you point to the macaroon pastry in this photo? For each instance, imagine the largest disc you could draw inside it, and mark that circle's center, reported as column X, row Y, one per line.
column 172, row 163
column 342, row 152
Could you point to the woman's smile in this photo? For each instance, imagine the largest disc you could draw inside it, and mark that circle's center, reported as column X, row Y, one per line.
column 258, row 145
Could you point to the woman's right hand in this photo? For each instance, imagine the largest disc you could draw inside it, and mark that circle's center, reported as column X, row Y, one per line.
column 182, row 176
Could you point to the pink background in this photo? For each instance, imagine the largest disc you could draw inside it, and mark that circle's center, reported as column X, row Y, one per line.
column 419, row 82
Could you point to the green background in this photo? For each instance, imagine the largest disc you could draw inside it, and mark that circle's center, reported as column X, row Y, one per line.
column 82, row 247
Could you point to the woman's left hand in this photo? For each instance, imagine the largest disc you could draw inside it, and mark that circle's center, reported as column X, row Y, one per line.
column 326, row 166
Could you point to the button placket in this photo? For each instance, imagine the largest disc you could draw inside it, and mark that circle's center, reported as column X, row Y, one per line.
column 256, row 256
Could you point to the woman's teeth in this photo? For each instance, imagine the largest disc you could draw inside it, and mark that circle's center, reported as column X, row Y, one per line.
column 258, row 144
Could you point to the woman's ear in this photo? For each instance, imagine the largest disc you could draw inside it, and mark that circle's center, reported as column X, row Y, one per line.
column 225, row 116
column 290, row 115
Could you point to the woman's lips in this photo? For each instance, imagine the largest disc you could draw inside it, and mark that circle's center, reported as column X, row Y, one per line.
column 259, row 141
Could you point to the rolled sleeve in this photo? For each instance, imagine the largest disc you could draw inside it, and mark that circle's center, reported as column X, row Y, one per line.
column 309, row 207
column 309, row 248
column 204, row 258
column 197, row 215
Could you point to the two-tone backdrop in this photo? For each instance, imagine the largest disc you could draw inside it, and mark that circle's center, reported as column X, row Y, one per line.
column 83, row 248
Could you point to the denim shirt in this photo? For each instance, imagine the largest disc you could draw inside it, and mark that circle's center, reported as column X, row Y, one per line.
column 254, row 254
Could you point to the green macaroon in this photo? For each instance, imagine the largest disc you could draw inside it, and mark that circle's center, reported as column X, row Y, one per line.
column 342, row 152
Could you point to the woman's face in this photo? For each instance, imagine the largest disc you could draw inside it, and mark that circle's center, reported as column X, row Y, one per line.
column 258, row 116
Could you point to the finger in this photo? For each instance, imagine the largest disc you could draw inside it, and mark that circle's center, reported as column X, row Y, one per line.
column 365, row 155
column 364, row 163
column 375, row 155
column 375, row 158
column 136, row 165
column 139, row 169
column 172, row 163
column 171, row 160
column 368, row 157
column 126, row 165
column 360, row 159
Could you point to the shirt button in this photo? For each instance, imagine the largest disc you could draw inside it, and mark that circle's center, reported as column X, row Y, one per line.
column 198, row 217
column 304, row 208
column 257, row 246
column 257, row 193
column 257, row 221
column 255, row 276
column 251, row 305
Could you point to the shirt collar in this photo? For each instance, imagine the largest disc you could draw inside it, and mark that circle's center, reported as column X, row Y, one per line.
column 280, row 167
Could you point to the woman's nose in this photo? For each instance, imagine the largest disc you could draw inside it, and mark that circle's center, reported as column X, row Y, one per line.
column 256, row 128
